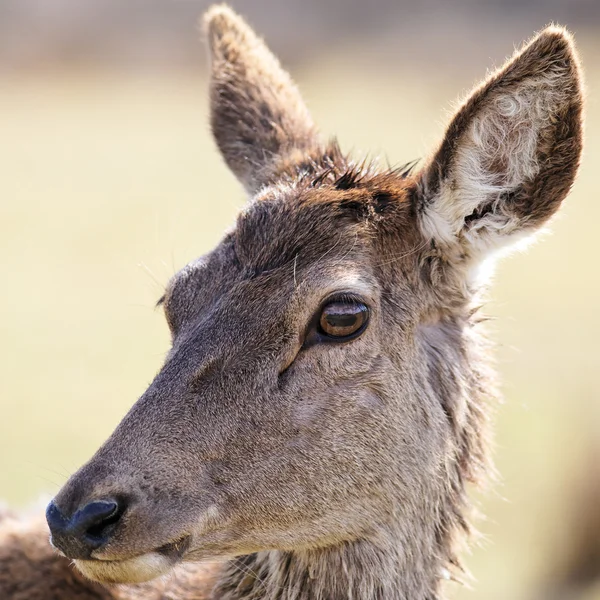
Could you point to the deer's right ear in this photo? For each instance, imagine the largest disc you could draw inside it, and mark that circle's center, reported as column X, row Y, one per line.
column 258, row 118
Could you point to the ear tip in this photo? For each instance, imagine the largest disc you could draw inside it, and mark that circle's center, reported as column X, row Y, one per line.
column 553, row 50
column 219, row 12
column 558, row 35
column 557, row 32
column 220, row 19
column 556, row 41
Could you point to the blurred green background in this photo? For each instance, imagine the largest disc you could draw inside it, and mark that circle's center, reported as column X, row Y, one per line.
column 111, row 182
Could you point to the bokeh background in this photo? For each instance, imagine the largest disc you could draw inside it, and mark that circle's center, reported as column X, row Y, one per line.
column 110, row 182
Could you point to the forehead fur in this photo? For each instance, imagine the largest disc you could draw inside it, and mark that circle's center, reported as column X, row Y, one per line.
column 328, row 211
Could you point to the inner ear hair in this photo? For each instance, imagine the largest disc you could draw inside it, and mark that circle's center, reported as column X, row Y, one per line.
column 511, row 153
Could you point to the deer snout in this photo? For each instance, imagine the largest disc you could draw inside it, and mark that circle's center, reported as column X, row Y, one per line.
column 87, row 529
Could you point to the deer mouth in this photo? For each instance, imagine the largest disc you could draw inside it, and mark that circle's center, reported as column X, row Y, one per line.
column 135, row 569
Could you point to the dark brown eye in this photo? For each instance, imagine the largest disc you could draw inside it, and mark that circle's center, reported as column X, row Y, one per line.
column 343, row 320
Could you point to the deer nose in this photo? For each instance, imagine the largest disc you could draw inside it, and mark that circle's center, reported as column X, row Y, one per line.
column 89, row 528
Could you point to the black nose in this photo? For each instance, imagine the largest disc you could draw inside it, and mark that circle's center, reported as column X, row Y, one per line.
column 88, row 529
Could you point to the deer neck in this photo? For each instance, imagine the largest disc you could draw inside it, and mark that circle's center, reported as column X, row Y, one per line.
column 379, row 569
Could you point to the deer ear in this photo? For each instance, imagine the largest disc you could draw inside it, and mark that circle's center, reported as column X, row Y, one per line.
column 510, row 154
column 258, row 118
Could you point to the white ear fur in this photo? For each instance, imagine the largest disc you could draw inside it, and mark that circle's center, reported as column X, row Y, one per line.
column 521, row 125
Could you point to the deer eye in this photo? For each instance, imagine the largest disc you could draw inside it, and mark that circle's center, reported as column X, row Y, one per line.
column 343, row 320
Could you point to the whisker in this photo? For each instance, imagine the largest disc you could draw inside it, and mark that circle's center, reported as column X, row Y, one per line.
column 401, row 256
column 146, row 268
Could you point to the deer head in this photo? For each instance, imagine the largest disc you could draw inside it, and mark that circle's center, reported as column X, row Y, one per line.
column 324, row 402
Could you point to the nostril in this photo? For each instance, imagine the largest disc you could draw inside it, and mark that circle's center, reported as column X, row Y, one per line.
column 102, row 525
column 97, row 520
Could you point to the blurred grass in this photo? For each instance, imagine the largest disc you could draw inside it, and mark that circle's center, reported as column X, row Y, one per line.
column 111, row 182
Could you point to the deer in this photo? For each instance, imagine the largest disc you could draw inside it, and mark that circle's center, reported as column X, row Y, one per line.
column 325, row 405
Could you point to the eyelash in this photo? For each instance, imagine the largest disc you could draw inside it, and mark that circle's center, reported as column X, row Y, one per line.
column 342, row 297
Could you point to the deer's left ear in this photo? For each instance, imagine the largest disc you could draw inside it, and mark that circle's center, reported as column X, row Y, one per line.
column 510, row 154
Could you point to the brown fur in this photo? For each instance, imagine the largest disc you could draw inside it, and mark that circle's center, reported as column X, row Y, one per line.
column 315, row 469
column 249, row 89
